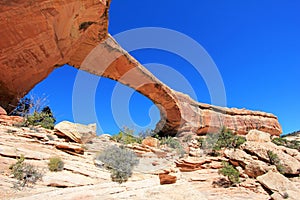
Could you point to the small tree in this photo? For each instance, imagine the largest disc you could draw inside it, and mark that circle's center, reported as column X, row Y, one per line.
column 23, row 107
column 35, row 113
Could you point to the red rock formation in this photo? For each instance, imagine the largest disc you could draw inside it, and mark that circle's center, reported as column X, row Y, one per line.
column 166, row 178
column 44, row 34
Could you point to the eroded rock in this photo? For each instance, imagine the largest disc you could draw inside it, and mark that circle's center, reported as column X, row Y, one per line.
column 76, row 132
column 75, row 32
column 281, row 186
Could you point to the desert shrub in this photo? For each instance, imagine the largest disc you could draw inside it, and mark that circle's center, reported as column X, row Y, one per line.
column 146, row 133
column 293, row 144
column 230, row 172
column 225, row 139
column 119, row 161
column 43, row 119
column 126, row 136
column 173, row 143
column 274, row 160
column 25, row 173
column 55, row 164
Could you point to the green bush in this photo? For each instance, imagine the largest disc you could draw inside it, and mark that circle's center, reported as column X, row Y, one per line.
column 34, row 113
column 55, row 164
column 225, row 139
column 230, row 172
column 289, row 144
column 274, row 160
column 25, row 173
column 119, row 161
column 173, row 143
column 43, row 119
column 126, row 136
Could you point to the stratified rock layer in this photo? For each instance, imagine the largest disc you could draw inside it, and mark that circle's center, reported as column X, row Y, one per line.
column 38, row 36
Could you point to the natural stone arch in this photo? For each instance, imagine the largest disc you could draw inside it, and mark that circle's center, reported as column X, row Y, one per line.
column 37, row 37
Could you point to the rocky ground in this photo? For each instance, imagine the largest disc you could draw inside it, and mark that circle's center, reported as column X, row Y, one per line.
column 196, row 177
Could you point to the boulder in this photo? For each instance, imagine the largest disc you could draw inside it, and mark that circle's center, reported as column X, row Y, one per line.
column 166, row 178
column 239, row 156
column 258, row 136
column 151, row 142
column 69, row 148
column 257, row 168
column 76, row 132
column 281, row 186
column 191, row 164
column 290, row 163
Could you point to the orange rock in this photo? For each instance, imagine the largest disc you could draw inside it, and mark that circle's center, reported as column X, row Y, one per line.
column 151, row 142
column 189, row 165
column 166, row 178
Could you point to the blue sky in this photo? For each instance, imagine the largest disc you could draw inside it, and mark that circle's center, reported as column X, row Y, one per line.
column 255, row 45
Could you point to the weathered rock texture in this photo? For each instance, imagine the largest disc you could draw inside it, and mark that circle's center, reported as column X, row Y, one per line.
column 38, row 36
column 76, row 132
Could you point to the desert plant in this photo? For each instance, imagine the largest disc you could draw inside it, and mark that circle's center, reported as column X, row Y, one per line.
column 173, row 143
column 126, row 136
column 34, row 112
column 43, row 119
column 230, row 172
column 25, row 173
column 23, row 107
column 119, row 161
column 293, row 144
column 274, row 160
column 225, row 139
column 55, row 164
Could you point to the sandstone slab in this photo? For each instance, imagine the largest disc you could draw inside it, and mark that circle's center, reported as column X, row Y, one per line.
column 76, row 132
column 279, row 185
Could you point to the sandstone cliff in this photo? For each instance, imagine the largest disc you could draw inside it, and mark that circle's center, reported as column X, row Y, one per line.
column 41, row 35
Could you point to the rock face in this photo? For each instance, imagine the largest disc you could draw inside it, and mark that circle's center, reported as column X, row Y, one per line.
column 76, row 132
column 42, row 35
column 254, row 156
column 75, row 32
column 281, row 186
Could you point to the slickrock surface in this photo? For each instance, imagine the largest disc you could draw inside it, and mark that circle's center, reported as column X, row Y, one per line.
column 38, row 36
column 82, row 179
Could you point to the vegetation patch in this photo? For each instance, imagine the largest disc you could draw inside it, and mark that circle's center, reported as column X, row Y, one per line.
column 26, row 174
column 225, row 139
column 289, row 144
column 119, row 161
column 55, row 164
column 34, row 113
column 126, row 136
column 274, row 160
column 173, row 143
column 230, row 172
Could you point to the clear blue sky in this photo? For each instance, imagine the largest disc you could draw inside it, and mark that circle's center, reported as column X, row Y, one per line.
column 255, row 45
